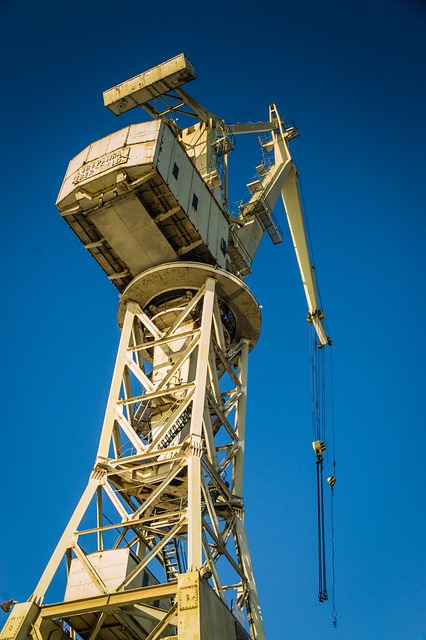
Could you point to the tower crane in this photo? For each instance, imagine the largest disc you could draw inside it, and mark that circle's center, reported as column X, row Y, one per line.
column 157, row 547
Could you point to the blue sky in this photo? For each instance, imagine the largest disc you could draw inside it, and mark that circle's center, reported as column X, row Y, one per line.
column 352, row 75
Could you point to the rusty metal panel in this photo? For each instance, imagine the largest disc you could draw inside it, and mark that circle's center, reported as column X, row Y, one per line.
column 96, row 167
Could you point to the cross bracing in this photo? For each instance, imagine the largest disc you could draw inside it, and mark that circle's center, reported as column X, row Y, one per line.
column 165, row 494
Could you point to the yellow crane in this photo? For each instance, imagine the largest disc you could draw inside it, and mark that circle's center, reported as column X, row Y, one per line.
column 157, row 547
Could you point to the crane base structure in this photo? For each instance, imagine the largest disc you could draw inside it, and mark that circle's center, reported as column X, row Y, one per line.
column 194, row 612
column 157, row 547
column 162, row 516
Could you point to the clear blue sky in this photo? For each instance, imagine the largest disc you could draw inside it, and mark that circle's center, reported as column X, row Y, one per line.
column 352, row 75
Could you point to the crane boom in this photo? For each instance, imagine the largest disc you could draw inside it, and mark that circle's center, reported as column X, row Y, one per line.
column 292, row 205
column 282, row 178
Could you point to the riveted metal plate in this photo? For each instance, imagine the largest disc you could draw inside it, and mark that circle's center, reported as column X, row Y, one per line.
column 12, row 627
column 188, row 597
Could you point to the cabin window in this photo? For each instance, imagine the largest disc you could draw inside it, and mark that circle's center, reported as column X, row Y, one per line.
column 195, row 201
column 175, row 171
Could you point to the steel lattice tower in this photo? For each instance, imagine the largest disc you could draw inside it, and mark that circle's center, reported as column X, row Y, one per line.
column 157, row 547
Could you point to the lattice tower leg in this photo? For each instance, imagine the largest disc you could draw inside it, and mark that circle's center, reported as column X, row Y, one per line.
column 162, row 515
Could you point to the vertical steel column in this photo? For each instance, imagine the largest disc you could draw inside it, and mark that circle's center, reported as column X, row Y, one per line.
column 196, row 447
column 240, row 426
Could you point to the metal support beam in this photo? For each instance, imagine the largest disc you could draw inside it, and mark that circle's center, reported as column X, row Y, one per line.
column 195, row 560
